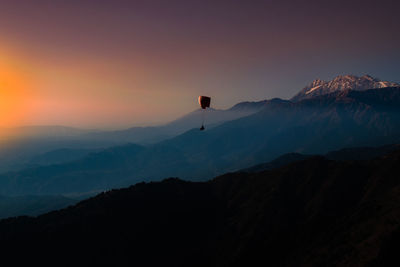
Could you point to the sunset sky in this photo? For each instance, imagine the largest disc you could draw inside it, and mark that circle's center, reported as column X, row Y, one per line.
column 115, row 64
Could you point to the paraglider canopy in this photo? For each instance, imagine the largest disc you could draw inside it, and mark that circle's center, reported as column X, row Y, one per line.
column 204, row 101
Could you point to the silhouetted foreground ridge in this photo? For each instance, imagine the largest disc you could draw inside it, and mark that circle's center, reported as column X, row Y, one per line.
column 314, row 212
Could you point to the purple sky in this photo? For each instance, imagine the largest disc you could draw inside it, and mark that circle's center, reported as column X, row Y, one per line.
column 119, row 63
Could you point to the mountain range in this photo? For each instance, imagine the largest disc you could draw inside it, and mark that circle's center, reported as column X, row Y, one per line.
column 311, row 212
column 30, row 146
column 311, row 126
column 33, row 145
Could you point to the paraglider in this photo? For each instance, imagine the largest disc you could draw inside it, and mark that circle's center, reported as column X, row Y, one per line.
column 204, row 102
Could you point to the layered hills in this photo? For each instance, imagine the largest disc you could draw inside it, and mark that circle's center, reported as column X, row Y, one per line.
column 312, row 212
column 313, row 126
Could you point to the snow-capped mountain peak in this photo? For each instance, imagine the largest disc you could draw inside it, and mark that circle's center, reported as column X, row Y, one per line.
column 340, row 83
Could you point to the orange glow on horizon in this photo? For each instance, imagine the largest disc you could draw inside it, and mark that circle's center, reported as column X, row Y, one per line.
column 13, row 91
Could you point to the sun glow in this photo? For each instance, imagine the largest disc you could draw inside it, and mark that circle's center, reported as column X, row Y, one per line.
column 13, row 91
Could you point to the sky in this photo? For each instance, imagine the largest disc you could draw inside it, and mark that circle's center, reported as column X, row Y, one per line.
column 115, row 64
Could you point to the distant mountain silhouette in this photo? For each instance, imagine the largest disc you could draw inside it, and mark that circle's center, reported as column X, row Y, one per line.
column 313, row 126
column 42, row 132
column 17, row 154
column 313, row 212
column 341, row 83
column 153, row 134
column 61, row 155
column 34, row 145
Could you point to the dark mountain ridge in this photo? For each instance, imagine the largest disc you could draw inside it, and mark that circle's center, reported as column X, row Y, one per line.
column 313, row 212
column 35, row 205
column 353, row 153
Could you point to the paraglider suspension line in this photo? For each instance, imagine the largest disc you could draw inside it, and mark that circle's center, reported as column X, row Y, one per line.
column 203, row 115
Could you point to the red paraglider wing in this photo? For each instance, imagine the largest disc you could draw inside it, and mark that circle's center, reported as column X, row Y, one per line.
column 204, row 101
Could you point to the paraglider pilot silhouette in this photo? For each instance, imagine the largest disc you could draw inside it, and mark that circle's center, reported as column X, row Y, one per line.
column 204, row 102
